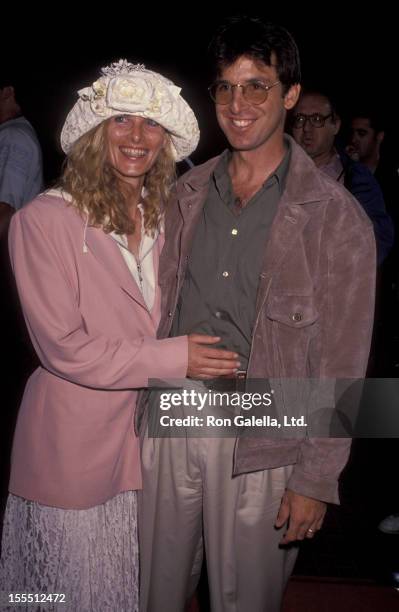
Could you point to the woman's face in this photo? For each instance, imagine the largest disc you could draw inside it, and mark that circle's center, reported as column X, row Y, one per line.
column 134, row 144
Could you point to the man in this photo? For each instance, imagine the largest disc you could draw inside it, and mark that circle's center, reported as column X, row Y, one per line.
column 21, row 176
column 315, row 125
column 366, row 139
column 367, row 135
column 365, row 143
column 256, row 250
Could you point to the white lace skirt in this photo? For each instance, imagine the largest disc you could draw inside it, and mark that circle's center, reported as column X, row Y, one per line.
column 91, row 555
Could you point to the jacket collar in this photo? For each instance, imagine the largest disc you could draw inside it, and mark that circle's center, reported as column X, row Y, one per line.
column 304, row 182
column 106, row 251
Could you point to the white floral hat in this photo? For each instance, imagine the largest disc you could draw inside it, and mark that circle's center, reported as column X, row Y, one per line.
column 131, row 89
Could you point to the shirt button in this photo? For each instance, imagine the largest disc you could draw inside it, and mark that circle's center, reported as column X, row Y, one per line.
column 218, row 314
column 169, row 313
column 297, row 317
column 225, row 274
column 234, row 232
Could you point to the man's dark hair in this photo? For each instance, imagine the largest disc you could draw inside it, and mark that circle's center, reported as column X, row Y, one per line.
column 258, row 39
column 374, row 117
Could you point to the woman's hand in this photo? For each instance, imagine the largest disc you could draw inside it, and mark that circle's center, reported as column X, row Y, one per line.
column 205, row 362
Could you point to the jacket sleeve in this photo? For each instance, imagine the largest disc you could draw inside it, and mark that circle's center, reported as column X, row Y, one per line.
column 365, row 188
column 342, row 350
column 57, row 328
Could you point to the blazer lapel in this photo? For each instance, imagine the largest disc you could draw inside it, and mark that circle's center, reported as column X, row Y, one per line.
column 107, row 252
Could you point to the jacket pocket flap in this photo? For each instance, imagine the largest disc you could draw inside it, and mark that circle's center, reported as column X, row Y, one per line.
column 293, row 310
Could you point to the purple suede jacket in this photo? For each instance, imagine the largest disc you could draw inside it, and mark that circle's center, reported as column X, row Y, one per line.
column 314, row 308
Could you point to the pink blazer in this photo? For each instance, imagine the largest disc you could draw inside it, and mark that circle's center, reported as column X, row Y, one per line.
column 75, row 445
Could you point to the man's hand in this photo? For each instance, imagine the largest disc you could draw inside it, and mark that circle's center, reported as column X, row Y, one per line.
column 206, row 362
column 304, row 516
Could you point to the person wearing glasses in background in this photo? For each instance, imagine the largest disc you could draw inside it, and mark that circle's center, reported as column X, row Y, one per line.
column 315, row 125
column 261, row 248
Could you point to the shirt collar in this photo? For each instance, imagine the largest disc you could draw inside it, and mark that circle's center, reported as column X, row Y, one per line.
column 222, row 180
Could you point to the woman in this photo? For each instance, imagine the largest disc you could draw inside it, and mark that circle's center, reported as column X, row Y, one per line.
column 85, row 258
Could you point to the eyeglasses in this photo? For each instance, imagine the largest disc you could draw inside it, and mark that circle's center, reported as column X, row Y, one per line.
column 315, row 120
column 254, row 92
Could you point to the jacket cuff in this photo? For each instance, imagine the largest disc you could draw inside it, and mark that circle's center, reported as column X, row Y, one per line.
column 175, row 360
column 309, row 486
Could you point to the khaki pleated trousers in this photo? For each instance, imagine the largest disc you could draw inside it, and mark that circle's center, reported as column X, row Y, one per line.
column 189, row 497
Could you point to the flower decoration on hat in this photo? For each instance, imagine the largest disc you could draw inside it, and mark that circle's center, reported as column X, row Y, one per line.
column 125, row 88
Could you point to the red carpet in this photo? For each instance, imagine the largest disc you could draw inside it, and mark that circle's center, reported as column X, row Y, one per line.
column 308, row 594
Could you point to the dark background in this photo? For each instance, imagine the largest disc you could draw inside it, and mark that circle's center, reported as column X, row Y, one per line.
column 353, row 55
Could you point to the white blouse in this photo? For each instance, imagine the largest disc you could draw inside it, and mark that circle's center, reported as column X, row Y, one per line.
column 142, row 269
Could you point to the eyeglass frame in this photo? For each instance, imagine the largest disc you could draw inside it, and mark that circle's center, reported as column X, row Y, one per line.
column 309, row 118
column 266, row 89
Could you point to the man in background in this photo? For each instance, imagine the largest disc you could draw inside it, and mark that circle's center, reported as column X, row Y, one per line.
column 21, row 174
column 315, row 127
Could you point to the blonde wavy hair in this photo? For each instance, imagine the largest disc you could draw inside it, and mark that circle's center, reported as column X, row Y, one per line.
column 96, row 191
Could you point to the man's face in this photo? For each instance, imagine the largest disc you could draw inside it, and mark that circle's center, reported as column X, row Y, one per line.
column 248, row 126
column 364, row 140
column 318, row 142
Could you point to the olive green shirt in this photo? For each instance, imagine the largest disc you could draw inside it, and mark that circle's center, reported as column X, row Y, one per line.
column 219, row 291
